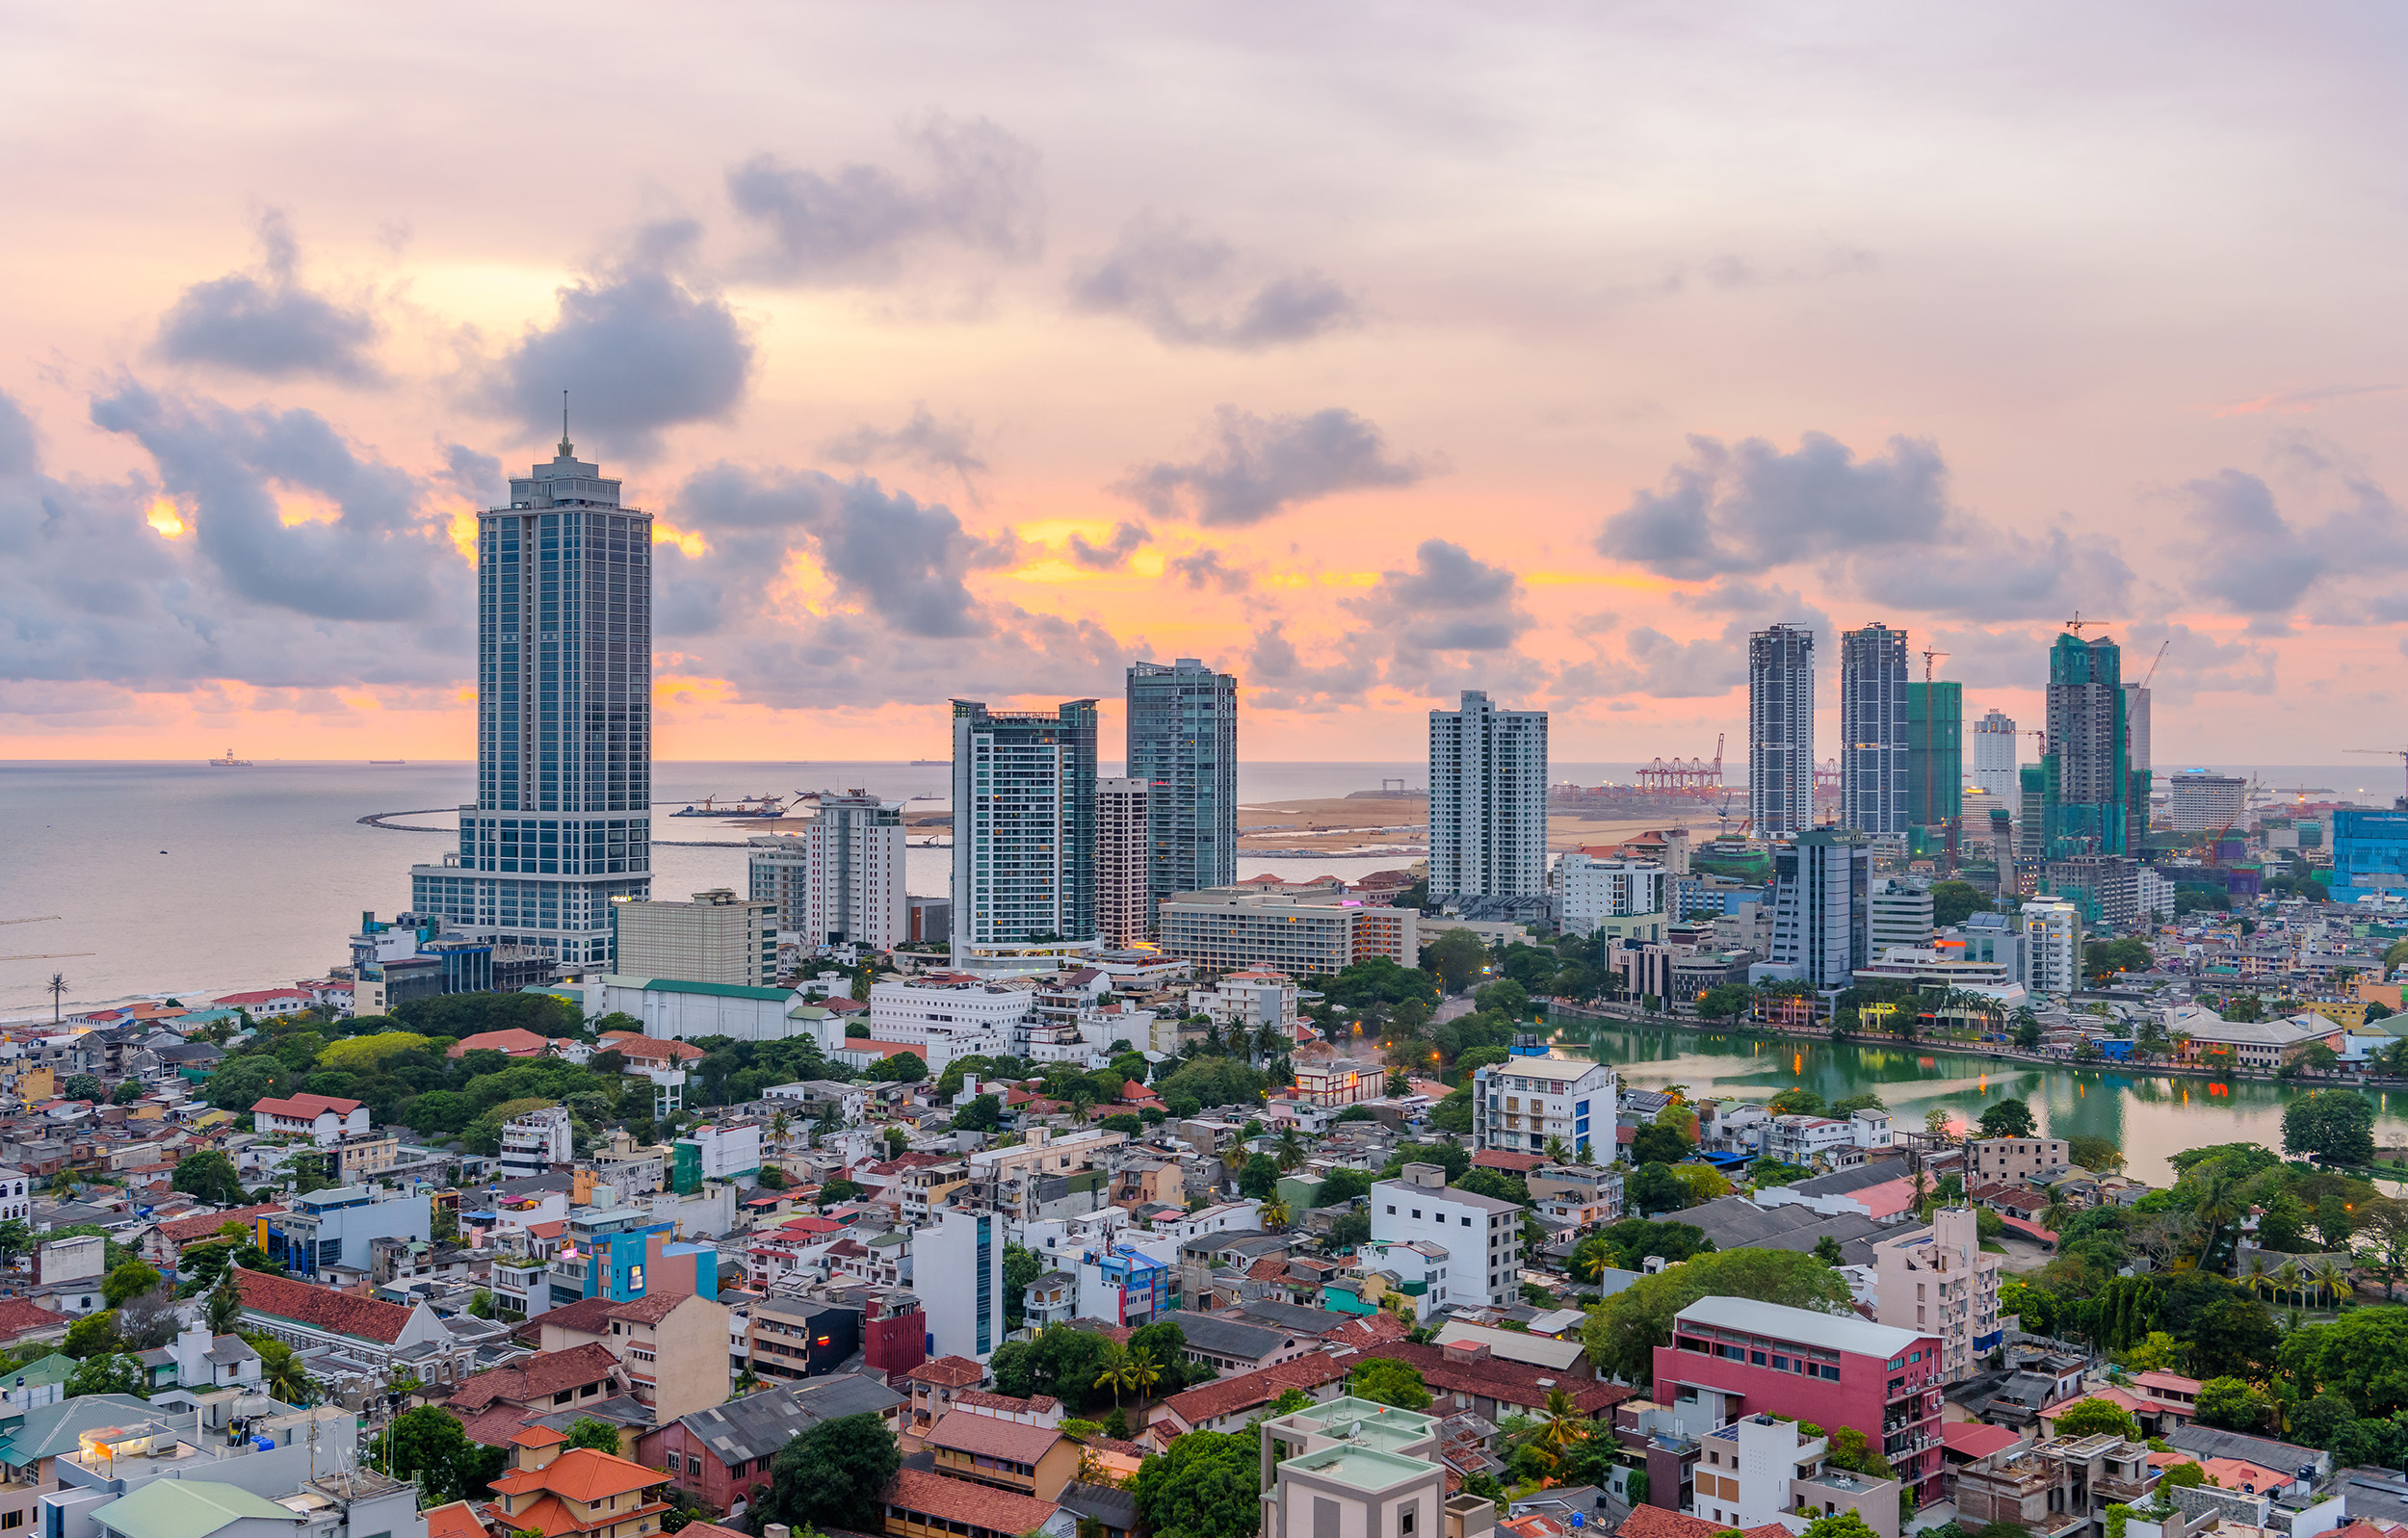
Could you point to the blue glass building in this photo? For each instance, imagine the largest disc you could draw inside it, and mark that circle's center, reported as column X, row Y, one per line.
column 562, row 825
column 2370, row 854
column 1183, row 744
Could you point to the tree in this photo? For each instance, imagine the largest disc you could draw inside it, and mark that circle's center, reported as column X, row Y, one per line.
column 210, row 1176
column 1845, row 1523
column 115, row 1372
column 2333, row 1125
column 1259, row 1177
column 243, row 1082
column 899, row 1068
column 480, row 1304
column 1653, row 1188
column 2229, row 1404
column 428, row 1444
column 1385, row 1380
column 130, row 1280
column 83, row 1087
column 2098, row 1155
column 2008, row 1118
column 1207, row 1486
column 1951, row 901
column 1827, row 1250
column 831, row 1473
column 2088, row 1418
column 93, row 1335
column 590, row 1431
column 127, row 1091
column 1655, row 1144
column 226, row 1305
column 1729, row 1000
column 1457, row 955
column 1289, row 1403
column 1623, row 1332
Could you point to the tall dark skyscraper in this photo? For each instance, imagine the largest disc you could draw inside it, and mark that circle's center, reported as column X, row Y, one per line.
column 1182, row 745
column 1872, row 729
column 1781, row 730
column 2087, row 789
column 562, row 825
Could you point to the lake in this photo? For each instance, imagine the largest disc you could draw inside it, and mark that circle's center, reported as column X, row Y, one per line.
column 2151, row 1118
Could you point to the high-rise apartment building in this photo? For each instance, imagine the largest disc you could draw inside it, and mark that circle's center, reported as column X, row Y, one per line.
column 2086, row 790
column 1939, row 1281
column 1995, row 756
column 1487, row 801
column 1781, row 730
column 716, row 938
column 1821, row 910
column 840, row 881
column 562, row 825
column 1123, row 843
column 2137, row 727
column 2052, row 947
column 2197, row 801
column 1872, row 730
column 1935, row 753
column 1182, row 745
column 1024, row 830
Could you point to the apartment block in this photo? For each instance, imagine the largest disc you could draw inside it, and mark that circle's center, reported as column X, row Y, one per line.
column 1481, row 1235
column 1235, row 929
column 1522, row 1102
column 718, row 938
column 1761, row 1468
column 1488, row 801
column 534, row 1142
column 1351, row 1468
column 840, row 883
column 1990, row 1160
column 1587, row 889
column 1937, row 1280
column 1124, row 909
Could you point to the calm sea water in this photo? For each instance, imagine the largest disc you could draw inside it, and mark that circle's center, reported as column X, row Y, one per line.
column 2151, row 1118
column 179, row 878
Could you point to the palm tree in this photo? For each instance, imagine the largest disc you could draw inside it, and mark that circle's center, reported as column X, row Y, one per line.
column 2218, row 1204
column 1267, row 1041
column 1290, row 1149
column 1141, row 1374
column 1556, row 1149
column 1275, row 1216
column 2332, row 1278
column 286, row 1379
column 778, row 1123
column 1560, row 1425
column 1116, row 1358
column 2058, row 1213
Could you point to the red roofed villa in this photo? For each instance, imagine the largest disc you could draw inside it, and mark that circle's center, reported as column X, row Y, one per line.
column 580, row 1491
column 322, row 1118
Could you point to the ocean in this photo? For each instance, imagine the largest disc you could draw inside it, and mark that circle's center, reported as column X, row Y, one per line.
column 177, row 878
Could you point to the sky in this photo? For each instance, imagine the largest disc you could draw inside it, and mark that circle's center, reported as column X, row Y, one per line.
column 1373, row 354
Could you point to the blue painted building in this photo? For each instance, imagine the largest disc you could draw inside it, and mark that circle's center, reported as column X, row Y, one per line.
column 2370, row 854
column 622, row 1254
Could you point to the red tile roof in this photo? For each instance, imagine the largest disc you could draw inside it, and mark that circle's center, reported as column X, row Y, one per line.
column 1034, row 1404
column 581, row 1474
column 535, row 1379
column 990, row 1435
column 946, row 1373
column 305, row 1108
column 321, row 1307
column 1209, row 1401
column 459, row 1520
column 1655, row 1522
column 496, row 1426
column 182, row 1230
column 628, row 1044
column 1510, row 1382
column 958, row 1500
column 514, row 1041
column 650, row 1309
column 1369, row 1330
column 1971, row 1439
column 1499, row 1159
column 17, row 1317
column 590, row 1316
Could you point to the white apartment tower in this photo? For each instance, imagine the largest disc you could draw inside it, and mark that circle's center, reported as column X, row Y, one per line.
column 1872, row 730
column 841, row 880
column 1481, row 1235
column 1937, row 1280
column 1994, row 757
column 1024, row 829
column 1487, row 801
column 716, row 938
column 1781, row 730
column 1123, row 876
column 2052, row 947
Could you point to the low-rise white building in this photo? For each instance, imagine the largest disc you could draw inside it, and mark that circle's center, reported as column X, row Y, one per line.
column 1900, row 914
column 321, row 1118
column 2052, row 947
column 1481, row 1235
column 1587, row 889
column 534, row 1142
column 1248, row 1000
column 951, row 1014
column 1521, row 1102
column 1803, row 1140
column 1415, row 1268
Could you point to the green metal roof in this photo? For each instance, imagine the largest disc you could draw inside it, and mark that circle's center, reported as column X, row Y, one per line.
column 722, row 990
column 186, row 1508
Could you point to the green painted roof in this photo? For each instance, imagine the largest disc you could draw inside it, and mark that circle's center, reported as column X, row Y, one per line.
column 185, row 1509
column 52, row 1369
column 722, row 990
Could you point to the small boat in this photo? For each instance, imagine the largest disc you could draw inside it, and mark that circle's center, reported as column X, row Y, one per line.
column 388, row 760
column 932, row 762
column 230, row 762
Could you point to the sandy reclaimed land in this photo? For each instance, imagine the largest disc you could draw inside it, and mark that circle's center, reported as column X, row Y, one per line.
column 1347, row 822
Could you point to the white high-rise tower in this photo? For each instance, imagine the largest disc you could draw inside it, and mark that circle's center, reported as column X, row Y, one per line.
column 1995, row 753
column 1781, row 730
column 1487, row 801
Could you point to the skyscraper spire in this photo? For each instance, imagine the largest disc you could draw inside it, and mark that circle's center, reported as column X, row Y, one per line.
column 568, row 450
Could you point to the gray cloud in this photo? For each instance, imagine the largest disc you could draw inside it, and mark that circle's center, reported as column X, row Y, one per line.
column 1126, row 541
column 855, row 223
column 97, row 596
column 636, row 348
column 1192, row 290
column 1256, row 466
column 266, row 322
column 475, row 476
column 1448, row 622
column 1203, row 569
column 922, row 442
column 18, row 451
column 2245, row 554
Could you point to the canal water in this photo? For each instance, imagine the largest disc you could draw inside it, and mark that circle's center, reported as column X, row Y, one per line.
column 2151, row 1118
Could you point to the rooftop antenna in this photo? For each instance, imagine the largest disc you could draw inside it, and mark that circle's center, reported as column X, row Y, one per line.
column 567, row 448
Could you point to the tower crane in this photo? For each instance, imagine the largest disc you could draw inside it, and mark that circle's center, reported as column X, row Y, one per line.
column 2154, row 661
column 2399, row 753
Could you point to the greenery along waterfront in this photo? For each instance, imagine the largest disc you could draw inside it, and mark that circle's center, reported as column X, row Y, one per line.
column 2151, row 1117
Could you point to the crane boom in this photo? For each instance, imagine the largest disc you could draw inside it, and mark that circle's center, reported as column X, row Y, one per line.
column 47, row 918
column 2154, row 661
column 50, row 955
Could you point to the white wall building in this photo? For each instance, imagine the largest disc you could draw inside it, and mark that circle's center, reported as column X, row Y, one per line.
column 1123, row 863
column 957, row 1272
column 1588, row 889
column 686, row 1011
column 1419, row 1268
column 2052, row 947
column 951, row 1015
column 2197, row 801
column 727, row 1150
column 1821, row 910
column 1521, row 1102
column 1247, row 999
column 17, row 1201
column 838, row 882
column 534, row 1142
column 1488, row 801
column 1996, row 754
column 1937, row 1280
column 321, row 1118
column 1902, row 914
column 718, row 937
column 1481, row 1235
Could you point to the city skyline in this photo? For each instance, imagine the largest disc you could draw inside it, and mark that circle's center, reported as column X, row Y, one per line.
column 936, row 392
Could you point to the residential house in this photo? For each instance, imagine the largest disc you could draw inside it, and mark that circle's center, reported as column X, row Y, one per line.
column 720, row 1455
column 1027, row 1460
column 1225, row 1403
column 579, row 1492
column 494, row 1406
column 323, row 1119
column 934, row 1384
column 373, row 1337
column 923, row 1503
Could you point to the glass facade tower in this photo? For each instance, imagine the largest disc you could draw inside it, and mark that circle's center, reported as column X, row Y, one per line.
column 1781, row 730
column 562, row 823
column 1935, row 752
column 1183, row 746
column 1872, row 730
column 2086, row 790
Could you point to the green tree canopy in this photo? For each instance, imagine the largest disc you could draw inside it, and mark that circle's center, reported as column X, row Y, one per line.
column 1207, row 1486
column 1623, row 1331
column 1385, row 1380
column 1212, row 1081
column 109, row 1373
column 2229, row 1404
column 1953, row 902
column 831, row 1473
column 1653, row 1189
column 2335, row 1126
column 2008, row 1118
column 2088, row 1417
column 127, row 1282
column 242, row 1083
column 210, row 1176
column 1456, row 956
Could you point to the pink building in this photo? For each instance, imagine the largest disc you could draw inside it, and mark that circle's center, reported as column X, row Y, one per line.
column 1731, row 1357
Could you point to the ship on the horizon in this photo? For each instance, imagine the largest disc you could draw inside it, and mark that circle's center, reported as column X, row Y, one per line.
column 229, row 761
column 754, row 806
column 388, row 760
column 932, row 762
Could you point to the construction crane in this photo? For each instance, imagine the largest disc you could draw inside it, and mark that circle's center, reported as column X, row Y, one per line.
column 2154, row 661
column 2077, row 623
column 52, row 955
column 2399, row 753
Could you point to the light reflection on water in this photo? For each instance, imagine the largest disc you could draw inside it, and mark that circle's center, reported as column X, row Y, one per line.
column 2150, row 1116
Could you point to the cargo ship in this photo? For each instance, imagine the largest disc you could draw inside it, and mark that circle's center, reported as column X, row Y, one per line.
column 229, row 761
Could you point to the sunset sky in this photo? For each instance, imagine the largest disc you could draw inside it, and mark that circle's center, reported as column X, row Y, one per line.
column 1373, row 353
